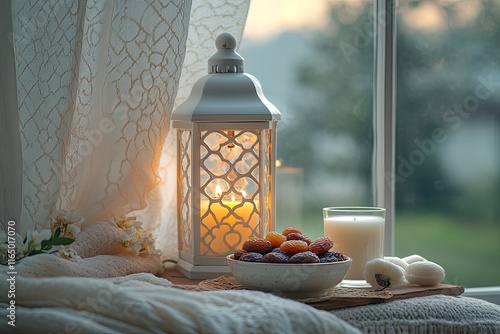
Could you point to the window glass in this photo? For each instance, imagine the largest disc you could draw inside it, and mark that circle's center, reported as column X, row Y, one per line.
column 318, row 70
column 314, row 60
column 448, row 137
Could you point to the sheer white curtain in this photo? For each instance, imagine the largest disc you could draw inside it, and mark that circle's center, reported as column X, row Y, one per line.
column 95, row 84
column 207, row 20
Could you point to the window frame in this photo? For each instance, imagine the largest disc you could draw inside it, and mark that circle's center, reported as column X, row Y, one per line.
column 384, row 115
column 384, row 105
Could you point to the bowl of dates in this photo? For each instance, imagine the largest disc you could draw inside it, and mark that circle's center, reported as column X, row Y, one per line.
column 289, row 264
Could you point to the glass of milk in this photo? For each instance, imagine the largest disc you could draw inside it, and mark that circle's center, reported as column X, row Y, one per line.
column 357, row 232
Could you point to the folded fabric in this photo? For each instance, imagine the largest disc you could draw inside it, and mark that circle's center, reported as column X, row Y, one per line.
column 102, row 254
column 100, row 266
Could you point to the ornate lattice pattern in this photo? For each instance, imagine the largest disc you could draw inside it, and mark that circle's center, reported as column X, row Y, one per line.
column 230, row 187
column 266, row 214
column 96, row 81
column 185, row 189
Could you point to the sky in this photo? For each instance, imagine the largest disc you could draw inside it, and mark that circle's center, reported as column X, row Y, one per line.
column 269, row 18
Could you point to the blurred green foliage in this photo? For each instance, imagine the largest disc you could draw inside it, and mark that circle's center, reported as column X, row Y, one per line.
column 470, row 256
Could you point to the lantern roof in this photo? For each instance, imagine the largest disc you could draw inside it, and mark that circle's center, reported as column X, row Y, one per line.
column 226, row 94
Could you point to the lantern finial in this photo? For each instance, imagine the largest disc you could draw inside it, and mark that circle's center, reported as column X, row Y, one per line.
column 226, row 60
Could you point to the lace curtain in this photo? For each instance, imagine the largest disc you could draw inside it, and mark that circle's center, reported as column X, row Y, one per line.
column 94, row 85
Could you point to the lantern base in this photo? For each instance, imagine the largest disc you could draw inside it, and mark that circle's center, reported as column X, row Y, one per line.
column 192, row 271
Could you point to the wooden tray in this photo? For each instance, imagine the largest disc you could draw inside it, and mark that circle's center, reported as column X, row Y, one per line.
column 336, row 298
column 405, row 292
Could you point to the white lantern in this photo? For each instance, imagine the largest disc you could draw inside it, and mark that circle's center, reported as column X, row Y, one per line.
column 226, row 133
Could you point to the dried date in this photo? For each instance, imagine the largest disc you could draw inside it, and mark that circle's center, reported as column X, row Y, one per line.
column 276, row 238
column 238, row 253
column 262, row 246
column 251, row 257
column 289, row 230
column 294, row 246
column 276, row 257
column 304, row 257
column 321, row 245
column 298, row 236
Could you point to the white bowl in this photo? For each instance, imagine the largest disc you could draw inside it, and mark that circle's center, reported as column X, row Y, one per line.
column 293, row 280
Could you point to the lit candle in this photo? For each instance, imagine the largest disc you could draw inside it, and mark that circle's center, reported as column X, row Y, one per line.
column 359, row 237
column 226, row 223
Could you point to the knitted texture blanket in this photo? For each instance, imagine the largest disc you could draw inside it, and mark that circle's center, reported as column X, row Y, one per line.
column 47, row 300
column 113, row 290
column 143, row 303
column 433, row 314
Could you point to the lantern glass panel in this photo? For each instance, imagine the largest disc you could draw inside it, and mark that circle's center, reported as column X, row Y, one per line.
column 233, row 189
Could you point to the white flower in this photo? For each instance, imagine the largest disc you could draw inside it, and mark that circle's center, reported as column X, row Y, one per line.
column 133, row 242
column 45, row 234
column 148, row 245
column 135, row 237
column 68, row 222
column 72, row 231
column 21, row 248
column 127, row 222
column 69, row 254
column 33, row 242
column 64, row 226
column 382, row 274
column 35, row 238
column 71, row 217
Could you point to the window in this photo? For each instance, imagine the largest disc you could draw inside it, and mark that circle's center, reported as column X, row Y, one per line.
column 327, row 77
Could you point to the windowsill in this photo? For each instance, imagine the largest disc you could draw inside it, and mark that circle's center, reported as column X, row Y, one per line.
column 489, row 294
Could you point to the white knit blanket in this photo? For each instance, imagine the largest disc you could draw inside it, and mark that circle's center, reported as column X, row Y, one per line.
column 143, row 303
column 54, row 295
column 114, row 291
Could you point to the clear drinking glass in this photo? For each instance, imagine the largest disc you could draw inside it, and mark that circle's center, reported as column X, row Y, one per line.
column 357, row 232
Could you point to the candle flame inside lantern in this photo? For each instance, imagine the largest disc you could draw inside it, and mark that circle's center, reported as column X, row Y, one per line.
column 218, row 191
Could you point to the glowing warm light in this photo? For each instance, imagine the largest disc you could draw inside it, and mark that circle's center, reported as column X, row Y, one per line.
column 231, row 144
column 225, row 221
column 278, row 163
column 218, row 192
